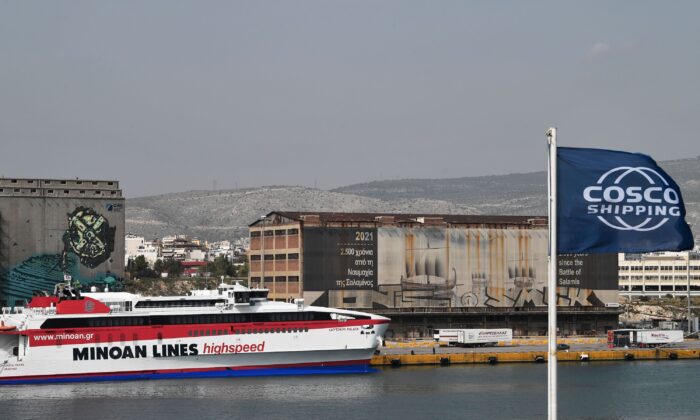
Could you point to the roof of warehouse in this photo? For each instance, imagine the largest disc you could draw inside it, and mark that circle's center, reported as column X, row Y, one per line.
column 331, row 217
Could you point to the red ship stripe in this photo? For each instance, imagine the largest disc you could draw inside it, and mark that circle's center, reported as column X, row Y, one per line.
column 54, row 337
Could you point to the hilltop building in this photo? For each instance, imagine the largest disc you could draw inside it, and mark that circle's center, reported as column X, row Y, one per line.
column 659, row 274
column 55, row 227
column 136, row 246
column 431, row 271
column 182, row 248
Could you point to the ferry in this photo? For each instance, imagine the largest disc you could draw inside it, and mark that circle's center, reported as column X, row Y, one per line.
column 230, row 331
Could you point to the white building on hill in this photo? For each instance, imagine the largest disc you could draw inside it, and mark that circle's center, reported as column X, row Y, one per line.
column 659, row 274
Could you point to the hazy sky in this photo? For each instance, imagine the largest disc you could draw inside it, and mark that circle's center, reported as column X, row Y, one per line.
column 169, row 95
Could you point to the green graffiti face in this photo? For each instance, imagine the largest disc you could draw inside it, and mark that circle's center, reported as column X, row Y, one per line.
column 89, row 236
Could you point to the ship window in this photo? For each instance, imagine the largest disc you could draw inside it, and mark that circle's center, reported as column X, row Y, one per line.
column 248, row 331
column 278, row 330
column 237, row 331
column 189, row 333
column 213, row 332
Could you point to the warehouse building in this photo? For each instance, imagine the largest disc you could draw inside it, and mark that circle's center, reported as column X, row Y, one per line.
column 432, row 271
column 51, row 228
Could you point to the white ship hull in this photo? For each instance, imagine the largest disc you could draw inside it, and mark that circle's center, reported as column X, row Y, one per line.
column 34, row 353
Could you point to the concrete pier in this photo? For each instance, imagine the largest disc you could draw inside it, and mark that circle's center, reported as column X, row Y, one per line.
column 529, row 356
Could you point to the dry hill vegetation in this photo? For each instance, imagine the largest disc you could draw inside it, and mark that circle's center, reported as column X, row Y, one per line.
column 217, row 215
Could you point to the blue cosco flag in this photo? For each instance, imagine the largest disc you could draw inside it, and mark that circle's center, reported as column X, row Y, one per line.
column 610, row 201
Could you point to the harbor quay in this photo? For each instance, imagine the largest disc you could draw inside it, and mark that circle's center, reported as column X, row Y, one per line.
column 526, row 350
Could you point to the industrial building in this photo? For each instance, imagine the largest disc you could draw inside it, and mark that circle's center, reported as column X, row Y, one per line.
column 432, row 271
column 51, row 228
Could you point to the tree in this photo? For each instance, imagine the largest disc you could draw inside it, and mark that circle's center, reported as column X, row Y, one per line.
column 138, row 265
column 221, row 266
column 173, row 268
column 158, row 266
column 243, row 271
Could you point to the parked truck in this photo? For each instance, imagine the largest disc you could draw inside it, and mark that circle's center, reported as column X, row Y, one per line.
column 643, row 338
column 473, row 337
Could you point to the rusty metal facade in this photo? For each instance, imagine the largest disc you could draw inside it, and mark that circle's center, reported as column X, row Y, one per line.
column 440, row 267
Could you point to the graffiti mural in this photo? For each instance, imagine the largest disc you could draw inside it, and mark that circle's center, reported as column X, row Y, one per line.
column 476, row 267
column 42, row 272
column 89, row 236
column 85, row 243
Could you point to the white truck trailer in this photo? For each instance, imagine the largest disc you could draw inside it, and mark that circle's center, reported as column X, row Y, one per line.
column 474, row 337
column 643, row 338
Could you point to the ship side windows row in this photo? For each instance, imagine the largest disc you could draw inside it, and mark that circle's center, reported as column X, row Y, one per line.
column 279, row 330
column 178, row 303
column 206, row 333
column 219, row 318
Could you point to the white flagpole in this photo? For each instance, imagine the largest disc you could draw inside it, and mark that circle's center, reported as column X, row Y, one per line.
column 552, row 286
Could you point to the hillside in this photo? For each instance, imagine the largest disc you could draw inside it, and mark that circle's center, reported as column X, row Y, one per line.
column 514, row 194
column 217, row 215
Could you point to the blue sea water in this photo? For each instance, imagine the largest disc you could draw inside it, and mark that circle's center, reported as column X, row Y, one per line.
column 600, row 390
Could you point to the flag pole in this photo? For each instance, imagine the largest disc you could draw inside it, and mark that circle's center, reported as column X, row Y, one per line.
column 552, row 286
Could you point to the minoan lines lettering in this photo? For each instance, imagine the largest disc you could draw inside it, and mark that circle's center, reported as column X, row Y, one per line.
column 104, row 353
column 174, row 350
column 134, row 352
